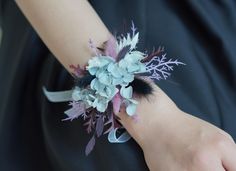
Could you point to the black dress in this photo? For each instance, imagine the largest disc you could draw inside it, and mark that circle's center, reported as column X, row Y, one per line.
column 200, row 33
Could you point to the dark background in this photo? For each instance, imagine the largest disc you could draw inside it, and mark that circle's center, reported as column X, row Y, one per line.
column 200, row 33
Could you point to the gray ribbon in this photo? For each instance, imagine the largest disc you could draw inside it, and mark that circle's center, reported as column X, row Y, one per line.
column 58, row 96
column 121, row 139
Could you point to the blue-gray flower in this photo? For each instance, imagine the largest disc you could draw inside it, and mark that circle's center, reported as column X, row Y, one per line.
column 98, row 62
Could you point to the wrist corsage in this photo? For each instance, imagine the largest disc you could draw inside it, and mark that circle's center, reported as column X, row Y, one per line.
column 112, row 78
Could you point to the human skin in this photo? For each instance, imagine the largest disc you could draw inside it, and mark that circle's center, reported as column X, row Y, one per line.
column 171, row 139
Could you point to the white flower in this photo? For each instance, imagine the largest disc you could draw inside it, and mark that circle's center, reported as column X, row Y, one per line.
column 128, row 41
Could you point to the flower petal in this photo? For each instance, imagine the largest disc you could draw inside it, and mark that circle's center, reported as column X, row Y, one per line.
column 126, row 92
column 102, row 106
column 76, row 95
column 105, row 78
column 128, row 78
column 131, row 108
column 116, row 101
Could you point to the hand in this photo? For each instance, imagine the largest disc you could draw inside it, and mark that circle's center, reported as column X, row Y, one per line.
column 173, row 140
column 189, row 144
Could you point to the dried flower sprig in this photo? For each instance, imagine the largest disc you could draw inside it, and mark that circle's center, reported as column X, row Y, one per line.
column 112, row 79
column 160, row 68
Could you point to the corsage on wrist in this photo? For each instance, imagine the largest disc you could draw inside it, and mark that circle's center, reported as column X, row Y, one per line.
column 113, row 77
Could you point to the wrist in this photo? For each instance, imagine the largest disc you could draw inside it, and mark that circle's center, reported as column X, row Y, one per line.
column 154, row 115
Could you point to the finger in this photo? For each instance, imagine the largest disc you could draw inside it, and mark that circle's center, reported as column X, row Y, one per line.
column 211, row 167
column 221, row 168
column 227, row 135
column 215, row 165
column 229, row 156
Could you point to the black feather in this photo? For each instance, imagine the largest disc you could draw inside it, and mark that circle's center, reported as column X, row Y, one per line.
column 123, row 52
column 141, row 87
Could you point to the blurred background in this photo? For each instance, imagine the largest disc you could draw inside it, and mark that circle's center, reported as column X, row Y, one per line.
column 0, row 35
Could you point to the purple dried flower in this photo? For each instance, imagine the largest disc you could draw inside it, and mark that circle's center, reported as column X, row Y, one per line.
column 110, row 48
column 113, row 123
column 78, row 108
column 91, row 45
column 116, row 101
column 154, row 53
column 90, row 145
column 99, row 126
column 89, row 123
column 78, row 71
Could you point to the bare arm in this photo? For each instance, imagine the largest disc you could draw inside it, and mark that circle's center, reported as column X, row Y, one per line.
column 170, row 138
column 65, row 27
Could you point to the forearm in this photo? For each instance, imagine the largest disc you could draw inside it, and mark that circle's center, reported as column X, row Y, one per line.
column 66, row 27
column 155, row 114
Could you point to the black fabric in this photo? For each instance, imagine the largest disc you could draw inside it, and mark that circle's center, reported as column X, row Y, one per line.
column 33, row 137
